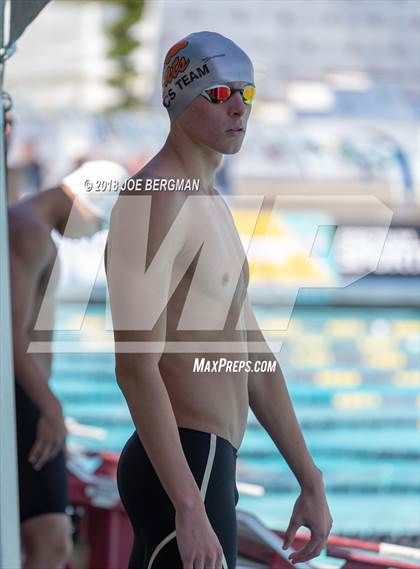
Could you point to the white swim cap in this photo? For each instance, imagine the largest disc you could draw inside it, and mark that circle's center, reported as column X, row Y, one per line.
column 97, row 183
column 197, row 62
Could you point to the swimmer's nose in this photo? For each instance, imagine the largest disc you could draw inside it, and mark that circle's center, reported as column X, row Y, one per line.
column 237, row 107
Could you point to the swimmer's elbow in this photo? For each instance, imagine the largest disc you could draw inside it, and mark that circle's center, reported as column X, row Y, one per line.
column 135, row 368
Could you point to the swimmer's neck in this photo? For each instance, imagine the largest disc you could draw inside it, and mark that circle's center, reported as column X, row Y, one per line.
column 180, row 157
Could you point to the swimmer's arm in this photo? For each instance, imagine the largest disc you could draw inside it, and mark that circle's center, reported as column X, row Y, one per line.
column 26, row 274
column 138, row 373
column 270, row 402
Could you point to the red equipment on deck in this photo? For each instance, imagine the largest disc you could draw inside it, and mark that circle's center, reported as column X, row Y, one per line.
column 105, row 529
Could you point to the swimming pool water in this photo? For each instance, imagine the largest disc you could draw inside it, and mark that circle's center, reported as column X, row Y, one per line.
column 353, row 376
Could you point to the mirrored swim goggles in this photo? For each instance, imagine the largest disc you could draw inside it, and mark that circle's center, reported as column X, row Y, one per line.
column 219, row 94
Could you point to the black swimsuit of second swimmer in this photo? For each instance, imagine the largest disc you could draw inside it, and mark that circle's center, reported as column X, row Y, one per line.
column 43, row 491
column 212, row 460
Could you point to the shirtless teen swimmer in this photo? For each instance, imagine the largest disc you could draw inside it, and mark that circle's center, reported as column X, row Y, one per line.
column 176, row 474
column 41, row 431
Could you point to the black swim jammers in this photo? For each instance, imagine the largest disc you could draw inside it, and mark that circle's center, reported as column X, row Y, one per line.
column 212, row 460
column 43, row 491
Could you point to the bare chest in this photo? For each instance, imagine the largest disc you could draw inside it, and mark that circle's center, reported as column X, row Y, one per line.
column 219, row 273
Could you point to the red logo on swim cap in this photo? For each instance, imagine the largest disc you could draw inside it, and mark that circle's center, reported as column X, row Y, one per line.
column 178, row 65
column 174, row 50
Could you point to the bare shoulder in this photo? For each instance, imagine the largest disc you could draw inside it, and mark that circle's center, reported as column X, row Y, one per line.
column 148, row 220
column 151, row 183
column 161, row 206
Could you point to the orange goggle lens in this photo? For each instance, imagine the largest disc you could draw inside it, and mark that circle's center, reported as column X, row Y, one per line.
column 248, row 94
column 221, row 93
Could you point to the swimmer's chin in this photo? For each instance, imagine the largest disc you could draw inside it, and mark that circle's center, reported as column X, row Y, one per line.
column 232, row 146
column 226, row 152
column 233, row 149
